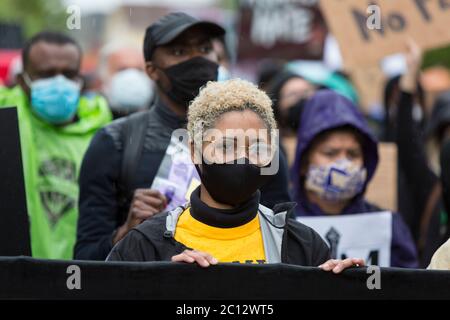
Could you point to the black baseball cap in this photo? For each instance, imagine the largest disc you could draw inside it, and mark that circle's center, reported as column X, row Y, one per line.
column 171, row 26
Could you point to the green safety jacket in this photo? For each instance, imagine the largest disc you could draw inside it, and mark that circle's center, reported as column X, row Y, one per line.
column 51, row 158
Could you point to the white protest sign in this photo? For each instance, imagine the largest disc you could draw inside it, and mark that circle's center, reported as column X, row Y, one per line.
column 366, row 236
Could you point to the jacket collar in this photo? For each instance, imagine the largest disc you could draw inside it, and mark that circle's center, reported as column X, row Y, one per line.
column 167, row 116
column 224, row 218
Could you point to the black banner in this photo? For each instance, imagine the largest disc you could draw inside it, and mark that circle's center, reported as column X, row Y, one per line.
column 27, row 278
column 14, row 228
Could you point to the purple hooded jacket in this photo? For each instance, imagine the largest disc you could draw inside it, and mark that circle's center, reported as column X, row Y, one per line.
column 328, row 110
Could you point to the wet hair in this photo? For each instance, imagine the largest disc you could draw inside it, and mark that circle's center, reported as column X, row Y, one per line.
column 48, row 37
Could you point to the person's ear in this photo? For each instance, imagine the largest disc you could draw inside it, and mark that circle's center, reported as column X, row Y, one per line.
column 20, row 80
column 23, row 84
column 152, row 71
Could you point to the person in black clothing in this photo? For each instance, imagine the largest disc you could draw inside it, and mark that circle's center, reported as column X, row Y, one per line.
column 289, row 93
column 267, row 70
column 390, row 102
column 445, row 172
column 224, row 221
column 114, row 196
column 405, row 199
column 429, row 221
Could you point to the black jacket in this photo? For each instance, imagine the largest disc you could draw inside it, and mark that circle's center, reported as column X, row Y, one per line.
column 100, row 209
column 422, row 182
column 151, row 241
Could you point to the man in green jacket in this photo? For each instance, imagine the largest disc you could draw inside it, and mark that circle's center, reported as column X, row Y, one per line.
column 56, row 125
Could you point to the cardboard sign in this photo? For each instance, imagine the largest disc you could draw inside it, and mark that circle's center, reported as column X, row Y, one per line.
column 361, row 43
column 14, row 227
column 382, row 189
column 366, row 236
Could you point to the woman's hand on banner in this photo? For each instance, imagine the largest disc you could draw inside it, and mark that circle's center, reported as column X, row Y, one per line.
column 337, row 266
column 203, row 259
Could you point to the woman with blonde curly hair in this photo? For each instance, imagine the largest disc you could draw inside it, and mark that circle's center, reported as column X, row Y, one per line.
column 233, row 141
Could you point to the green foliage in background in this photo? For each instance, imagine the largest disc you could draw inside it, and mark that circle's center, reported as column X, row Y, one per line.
column 34, row 15
column 230, row 4
column 439, row 56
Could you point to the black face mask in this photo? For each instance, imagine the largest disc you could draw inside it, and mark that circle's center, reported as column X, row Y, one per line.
column 186, row 78
column 232, row 183
column 292, row 116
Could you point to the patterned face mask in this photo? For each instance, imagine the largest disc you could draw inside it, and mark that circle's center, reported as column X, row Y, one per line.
column 340, row 180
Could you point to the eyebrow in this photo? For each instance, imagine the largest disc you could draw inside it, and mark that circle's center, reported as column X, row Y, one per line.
column 327, row 148
column 52, row 70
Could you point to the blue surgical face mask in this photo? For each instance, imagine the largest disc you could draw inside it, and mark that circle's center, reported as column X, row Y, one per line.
column 55, row 99
column 338, row 181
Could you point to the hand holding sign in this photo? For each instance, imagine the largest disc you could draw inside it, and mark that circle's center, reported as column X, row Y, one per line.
column 414, row 54
column 176, row 177
column 145, row 204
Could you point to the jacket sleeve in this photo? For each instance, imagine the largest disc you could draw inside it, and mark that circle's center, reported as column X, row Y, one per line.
column 303, row 246
column 276, row 190
column 97, row 201
column 403, row 249
column 133, row 247
column 321, row 251
column 412, row 159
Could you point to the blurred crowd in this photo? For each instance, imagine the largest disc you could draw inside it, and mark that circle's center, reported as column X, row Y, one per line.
column 92, row 143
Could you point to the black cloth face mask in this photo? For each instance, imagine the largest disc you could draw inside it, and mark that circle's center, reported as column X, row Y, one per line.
column 186, row 78
column 292, row 115
column 232, row 183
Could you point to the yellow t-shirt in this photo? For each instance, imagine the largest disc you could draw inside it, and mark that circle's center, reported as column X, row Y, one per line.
column 243, row 244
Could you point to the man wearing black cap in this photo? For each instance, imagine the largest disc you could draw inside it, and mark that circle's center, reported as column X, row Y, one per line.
column 180, row 58
column 124, row 157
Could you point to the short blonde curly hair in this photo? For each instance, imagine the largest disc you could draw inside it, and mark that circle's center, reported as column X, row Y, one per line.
column 217, row 98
